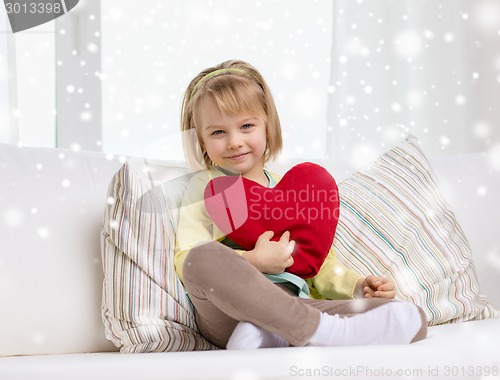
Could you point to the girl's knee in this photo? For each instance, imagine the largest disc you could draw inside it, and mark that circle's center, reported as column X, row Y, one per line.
column 192, row 263
column 200, row 260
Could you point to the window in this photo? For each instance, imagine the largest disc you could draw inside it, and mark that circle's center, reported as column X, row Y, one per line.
column 5, row 122
column 27, row 77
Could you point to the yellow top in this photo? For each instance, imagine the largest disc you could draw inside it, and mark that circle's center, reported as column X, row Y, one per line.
column 333, row 281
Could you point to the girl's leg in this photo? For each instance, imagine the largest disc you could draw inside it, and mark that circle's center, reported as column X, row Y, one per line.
column 350, row 308
column 226, row 289
column 374, row 321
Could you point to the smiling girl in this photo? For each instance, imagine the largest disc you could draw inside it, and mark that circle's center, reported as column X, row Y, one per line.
column 244, row 299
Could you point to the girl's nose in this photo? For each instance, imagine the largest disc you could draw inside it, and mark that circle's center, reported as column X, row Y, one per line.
column 234, row 141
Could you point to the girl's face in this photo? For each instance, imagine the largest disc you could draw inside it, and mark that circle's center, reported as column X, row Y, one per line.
column 234, row 142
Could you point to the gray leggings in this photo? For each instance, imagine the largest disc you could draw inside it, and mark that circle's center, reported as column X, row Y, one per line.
column 225, row 289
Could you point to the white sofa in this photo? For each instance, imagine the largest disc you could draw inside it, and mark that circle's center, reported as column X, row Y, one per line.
column 51, row 208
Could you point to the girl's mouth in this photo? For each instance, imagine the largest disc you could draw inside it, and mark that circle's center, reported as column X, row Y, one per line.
column 238, row 156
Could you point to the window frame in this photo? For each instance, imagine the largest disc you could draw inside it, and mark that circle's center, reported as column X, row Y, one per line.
column 79, row 111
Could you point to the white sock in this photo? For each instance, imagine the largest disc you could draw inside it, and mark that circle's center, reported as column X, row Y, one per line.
column 392, row 323
column 248, row 336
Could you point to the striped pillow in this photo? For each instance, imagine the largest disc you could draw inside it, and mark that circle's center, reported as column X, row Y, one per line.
column 144, row 306
column 394, row 222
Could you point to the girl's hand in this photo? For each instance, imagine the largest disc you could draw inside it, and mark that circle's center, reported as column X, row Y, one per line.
column 374, row 286
column 271, row 257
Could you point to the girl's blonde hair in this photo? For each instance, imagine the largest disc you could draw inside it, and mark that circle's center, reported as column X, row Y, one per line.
column 235, row 86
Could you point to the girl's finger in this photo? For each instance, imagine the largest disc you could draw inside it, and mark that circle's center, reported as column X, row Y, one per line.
column 389, row 295
column 373, row 281
column 387, row 286
column 368, row 291
column 266, row 235
column 285, row 237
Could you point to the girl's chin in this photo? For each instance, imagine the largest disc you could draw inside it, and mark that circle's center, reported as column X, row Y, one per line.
column 230, row 168
column 236, row 169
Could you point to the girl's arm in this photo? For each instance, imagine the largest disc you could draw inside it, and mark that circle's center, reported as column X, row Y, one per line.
column 194, row 225
column 334, row 280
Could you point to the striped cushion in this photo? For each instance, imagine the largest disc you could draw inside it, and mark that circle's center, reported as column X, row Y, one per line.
column 144, row 306
column 395, row 223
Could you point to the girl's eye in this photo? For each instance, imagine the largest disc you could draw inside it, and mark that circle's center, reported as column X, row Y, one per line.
column 217, row 132
column 247, row 126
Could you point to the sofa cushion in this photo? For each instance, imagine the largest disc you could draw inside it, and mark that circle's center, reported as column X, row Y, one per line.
column 144, row 307
column 51, row 204
column 394, row 222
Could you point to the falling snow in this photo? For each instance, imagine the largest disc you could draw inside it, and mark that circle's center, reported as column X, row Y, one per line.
column 481, row 130
column 43, row 232
column 409, row 44
column 494, row 156
column 13, row 217
column 444, row 141
column 482, row 191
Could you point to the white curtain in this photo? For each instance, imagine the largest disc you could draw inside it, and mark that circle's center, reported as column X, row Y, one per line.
column 425, row 67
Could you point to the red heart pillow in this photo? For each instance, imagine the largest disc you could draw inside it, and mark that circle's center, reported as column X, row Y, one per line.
column 305, row 202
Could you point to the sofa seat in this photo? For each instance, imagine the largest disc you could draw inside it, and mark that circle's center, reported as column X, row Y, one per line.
column 460, row 350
